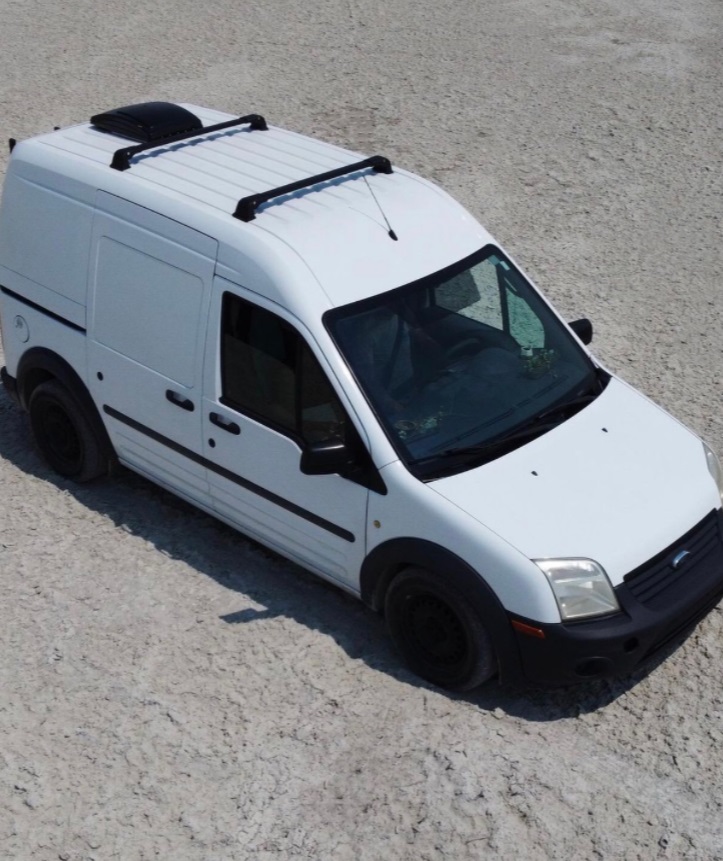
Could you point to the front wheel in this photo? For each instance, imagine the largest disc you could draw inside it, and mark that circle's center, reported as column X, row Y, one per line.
column 63, row 434
column 438, row 631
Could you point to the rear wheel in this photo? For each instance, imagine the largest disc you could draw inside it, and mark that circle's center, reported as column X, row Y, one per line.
column 63, row 433
column 437, row 629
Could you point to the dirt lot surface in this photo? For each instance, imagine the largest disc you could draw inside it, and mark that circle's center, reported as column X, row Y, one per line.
column 171, row 690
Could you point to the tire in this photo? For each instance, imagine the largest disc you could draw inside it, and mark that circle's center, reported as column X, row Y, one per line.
column 437, row 630
column 64, row 435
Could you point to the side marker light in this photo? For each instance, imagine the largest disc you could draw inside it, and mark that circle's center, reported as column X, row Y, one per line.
column 531, row 631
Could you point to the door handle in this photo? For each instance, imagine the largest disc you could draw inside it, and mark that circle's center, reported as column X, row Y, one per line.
column 179, row 400
column 224, row 424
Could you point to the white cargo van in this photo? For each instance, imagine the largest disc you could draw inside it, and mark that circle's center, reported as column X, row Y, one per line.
column 331, row 355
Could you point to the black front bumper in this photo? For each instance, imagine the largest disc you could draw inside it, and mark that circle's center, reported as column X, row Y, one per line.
column 660, row 603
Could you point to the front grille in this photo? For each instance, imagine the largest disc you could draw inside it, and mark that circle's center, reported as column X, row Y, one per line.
column 656, row 583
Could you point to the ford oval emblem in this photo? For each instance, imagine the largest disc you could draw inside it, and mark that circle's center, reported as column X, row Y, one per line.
column 679, row 559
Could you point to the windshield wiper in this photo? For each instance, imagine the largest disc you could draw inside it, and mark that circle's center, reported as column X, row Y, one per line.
column 579, row 401
column 510, row 440
column 536, row 426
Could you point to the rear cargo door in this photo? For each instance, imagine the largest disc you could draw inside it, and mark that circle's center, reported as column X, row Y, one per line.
column 150, row 282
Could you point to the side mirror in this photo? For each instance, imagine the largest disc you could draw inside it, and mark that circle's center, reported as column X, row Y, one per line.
column 583, row 329
column 326, row 457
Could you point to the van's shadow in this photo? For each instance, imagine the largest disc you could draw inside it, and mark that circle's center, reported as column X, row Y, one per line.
column 284, row 589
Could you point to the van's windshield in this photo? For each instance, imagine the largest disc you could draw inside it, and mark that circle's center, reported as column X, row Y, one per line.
column 464, row 365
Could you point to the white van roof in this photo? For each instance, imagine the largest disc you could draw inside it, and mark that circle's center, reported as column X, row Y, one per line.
column 341, row 229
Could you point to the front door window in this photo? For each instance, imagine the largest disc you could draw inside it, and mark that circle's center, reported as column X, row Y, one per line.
column 269, row 372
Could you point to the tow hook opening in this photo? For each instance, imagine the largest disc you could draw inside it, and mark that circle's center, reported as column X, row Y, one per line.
column 631, row 644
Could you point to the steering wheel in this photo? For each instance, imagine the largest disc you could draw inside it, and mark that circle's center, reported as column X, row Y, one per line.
column 466, row 348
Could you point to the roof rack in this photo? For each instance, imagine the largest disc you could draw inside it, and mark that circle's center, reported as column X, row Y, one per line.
column 247, row 206
column 159, row 124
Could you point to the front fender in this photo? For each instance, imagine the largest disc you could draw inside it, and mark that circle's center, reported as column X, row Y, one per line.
column 387, row 559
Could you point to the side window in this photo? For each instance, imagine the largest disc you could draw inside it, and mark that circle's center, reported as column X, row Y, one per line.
column 268, row 371
column 258, row 362
column 322, row 416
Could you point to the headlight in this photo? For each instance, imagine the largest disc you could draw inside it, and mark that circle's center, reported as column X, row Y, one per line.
column 714, row 468
column 580, row 586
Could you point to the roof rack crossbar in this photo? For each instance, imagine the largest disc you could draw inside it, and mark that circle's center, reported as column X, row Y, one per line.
column 247, row 206
column 122, row 157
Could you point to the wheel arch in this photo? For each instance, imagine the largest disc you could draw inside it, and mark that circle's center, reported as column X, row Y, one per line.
column 40, row 364
column 387, row 559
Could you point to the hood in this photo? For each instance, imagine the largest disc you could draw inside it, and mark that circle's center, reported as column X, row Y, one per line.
column 618, row 482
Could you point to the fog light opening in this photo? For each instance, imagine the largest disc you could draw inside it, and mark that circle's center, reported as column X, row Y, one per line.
column 592, row 667
column 530, row 630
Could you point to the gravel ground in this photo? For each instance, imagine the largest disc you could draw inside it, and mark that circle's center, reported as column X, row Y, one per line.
column 171, row 690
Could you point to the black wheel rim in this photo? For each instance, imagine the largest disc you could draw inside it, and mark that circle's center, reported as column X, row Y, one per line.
column 61, row 439
column 435, row 631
